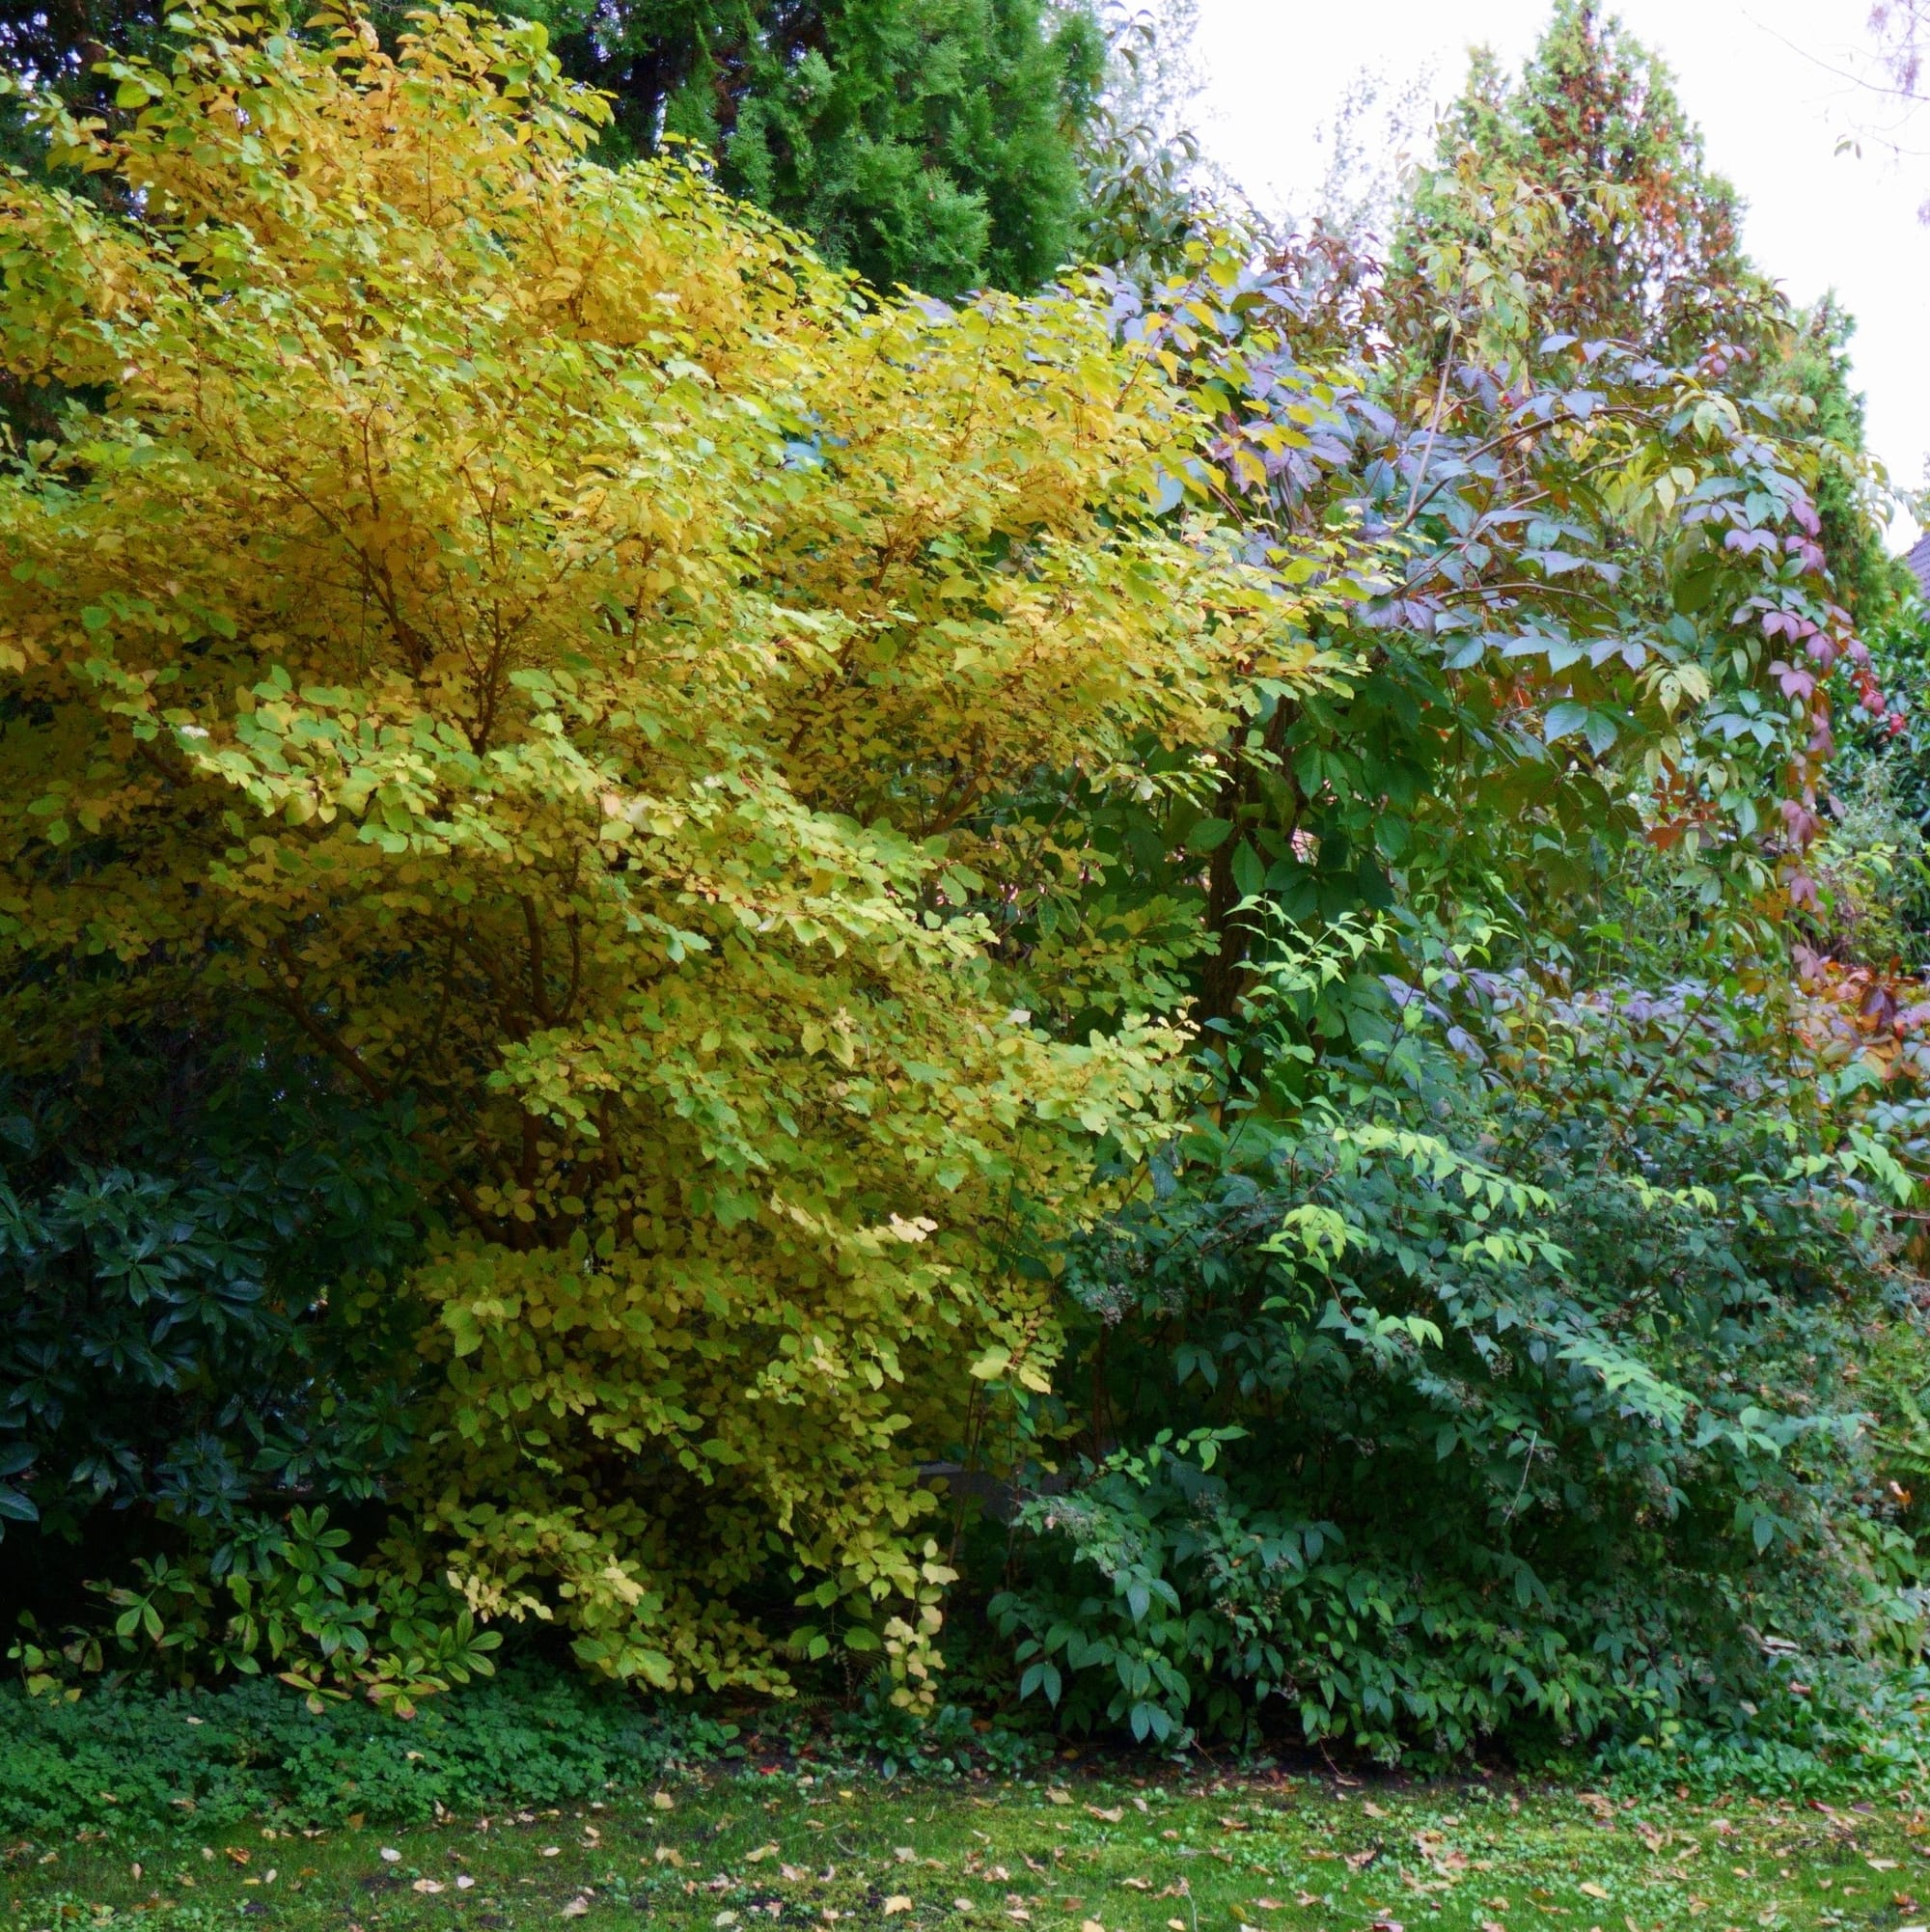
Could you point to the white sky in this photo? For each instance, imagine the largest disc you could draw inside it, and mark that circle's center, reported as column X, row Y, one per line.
column 1754, row 73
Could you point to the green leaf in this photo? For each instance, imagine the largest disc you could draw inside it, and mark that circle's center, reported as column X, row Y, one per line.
column 1563, row 720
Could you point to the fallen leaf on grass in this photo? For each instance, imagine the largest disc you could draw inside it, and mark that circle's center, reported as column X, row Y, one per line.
column 1090, row 1925
column 1057, row 1794
column 1492, row 1925
column 898, row 1902
column 1881, row 1865
column 904, row 1854
column 1589, row 1889
column 663, row 1801
column 670, row 1855
column 576, row 1907
column 551, row 1852
column 1372, row 1809
column 1137, row 1883
column 1268, row 1905
column 427, row 1884
column 1176, row 1925
column 1111, row 1817
column 761, row 1854
column 464, row 1882
column 389, row 1855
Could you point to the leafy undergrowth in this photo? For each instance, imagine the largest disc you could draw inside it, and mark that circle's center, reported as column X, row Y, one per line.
column 793, row 1849
column 133, row 1761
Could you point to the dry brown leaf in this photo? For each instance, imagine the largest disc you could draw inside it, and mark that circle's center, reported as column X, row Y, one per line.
column 1590, row 1890
column 1372, row 1809
column 1111, row 1817
column 759, row 1856
column 895, row 1903
column 1137, row 1883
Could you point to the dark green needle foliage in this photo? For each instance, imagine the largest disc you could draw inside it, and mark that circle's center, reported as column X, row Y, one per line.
column 928, row 142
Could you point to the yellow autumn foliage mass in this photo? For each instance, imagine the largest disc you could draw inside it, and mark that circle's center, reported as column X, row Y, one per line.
column 536, row 635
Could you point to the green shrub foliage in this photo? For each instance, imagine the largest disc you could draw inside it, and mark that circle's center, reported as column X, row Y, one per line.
column 188, row 1246
column 1496, row 1375
column 207, row 1760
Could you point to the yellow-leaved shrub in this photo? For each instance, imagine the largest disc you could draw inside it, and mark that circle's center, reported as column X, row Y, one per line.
column 537, row 636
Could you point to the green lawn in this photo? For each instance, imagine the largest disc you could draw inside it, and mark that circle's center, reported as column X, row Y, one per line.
column 1176, row 1855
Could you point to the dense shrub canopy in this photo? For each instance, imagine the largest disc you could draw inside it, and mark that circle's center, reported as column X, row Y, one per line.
column 716, row 890
column 532, row 636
